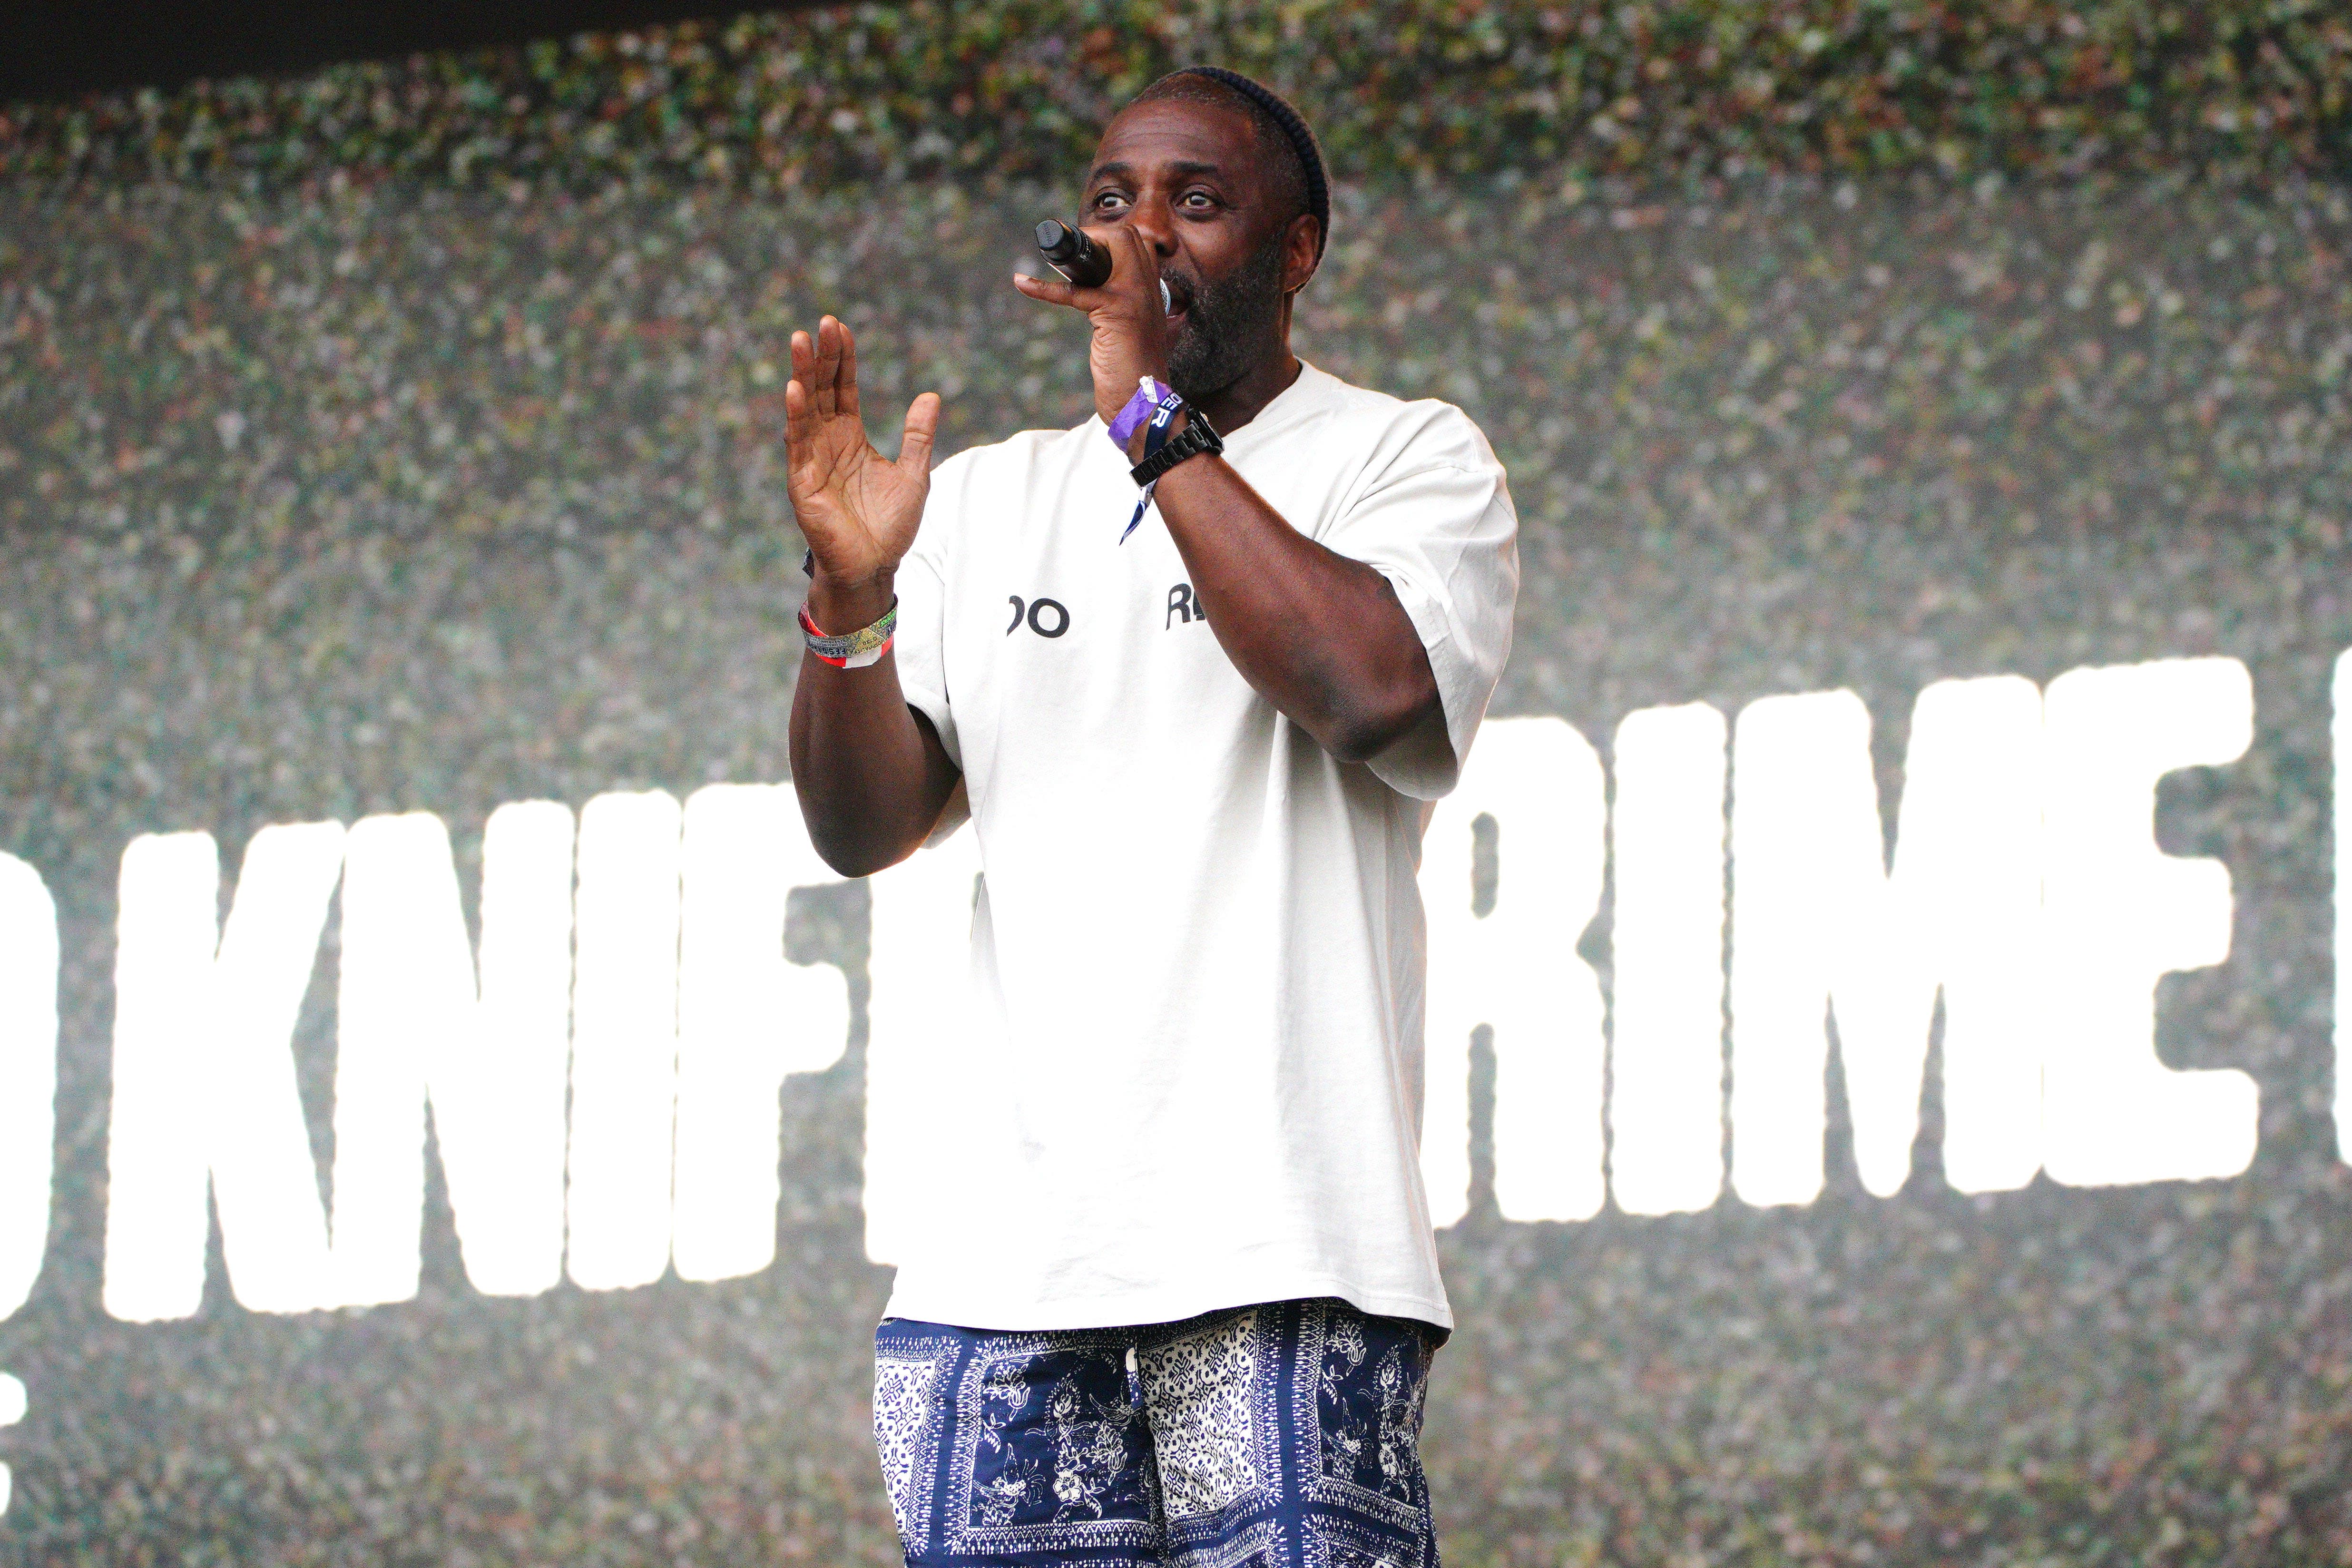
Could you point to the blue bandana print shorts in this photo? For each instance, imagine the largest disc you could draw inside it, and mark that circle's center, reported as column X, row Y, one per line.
column 1283, row 1436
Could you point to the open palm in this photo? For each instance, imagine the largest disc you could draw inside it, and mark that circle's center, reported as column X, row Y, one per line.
column 857, row 508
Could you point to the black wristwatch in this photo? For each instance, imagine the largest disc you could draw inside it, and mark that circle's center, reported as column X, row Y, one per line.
column 1197, row 436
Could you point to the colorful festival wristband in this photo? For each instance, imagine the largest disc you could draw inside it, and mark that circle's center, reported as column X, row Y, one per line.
column 1149, row 396
column 859, row 648
column 1155, row 435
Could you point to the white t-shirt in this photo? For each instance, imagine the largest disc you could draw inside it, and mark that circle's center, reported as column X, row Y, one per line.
column 1192, row 1072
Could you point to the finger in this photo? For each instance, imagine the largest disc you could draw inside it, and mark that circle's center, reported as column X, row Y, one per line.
column 804, row 359
column 1140, row 267
column 1054, row 290
column 796, row 416
column 923, row 430
column 828, row 366
column 1145, row 267
column 1139, row 249
column 846, row 396
column 1130, row 254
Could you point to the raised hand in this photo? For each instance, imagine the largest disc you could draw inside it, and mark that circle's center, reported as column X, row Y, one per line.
column 857, row 508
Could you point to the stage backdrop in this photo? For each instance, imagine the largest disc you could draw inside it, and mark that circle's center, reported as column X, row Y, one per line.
column 1882, row 1093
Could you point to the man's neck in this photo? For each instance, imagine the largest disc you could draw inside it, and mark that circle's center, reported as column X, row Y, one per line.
column 1232, row 406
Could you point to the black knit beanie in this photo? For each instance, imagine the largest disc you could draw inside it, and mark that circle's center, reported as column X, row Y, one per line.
column 1294, row 128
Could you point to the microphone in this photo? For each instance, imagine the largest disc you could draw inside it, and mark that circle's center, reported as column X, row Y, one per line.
column 1069, row 252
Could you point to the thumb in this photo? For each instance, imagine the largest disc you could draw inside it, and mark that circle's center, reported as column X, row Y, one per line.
column 922, row 429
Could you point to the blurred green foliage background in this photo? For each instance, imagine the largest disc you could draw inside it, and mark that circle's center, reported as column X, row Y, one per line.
column 406, row 438
column 1016, row 89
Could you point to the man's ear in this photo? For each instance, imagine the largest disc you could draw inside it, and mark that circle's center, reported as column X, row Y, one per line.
column 1298, row 247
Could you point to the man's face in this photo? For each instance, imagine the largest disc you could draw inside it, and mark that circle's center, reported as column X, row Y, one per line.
column 1192, row 177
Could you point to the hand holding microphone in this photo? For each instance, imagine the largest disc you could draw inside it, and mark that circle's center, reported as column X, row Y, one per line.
column 1131, row 337
column 1071, row 252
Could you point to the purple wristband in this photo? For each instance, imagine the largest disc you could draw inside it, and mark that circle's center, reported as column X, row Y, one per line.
column 1149, row 395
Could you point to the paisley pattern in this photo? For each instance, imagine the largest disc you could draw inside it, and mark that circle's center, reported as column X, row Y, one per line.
column 1281, row 1436
column 904, row 1386
column 1057, row 1446
column 1196, row 1391
column 1370, row 1413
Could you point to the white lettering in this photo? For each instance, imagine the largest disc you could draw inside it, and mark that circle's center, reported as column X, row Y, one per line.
column 2121, row 914
column 1804, row 813
column 203, row 1074
column 413, row 1025
column 623, row 1041
column 2025, row 890
column 1966, row 910
column 1516, row 970
column 28, row 1076
column 746, row 1019
column 1666, row 1096
column 1818, row 923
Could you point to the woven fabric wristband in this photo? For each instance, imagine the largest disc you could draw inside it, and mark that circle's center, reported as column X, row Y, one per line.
column 1155, row 435
column 859, row 648
column 1149, row 396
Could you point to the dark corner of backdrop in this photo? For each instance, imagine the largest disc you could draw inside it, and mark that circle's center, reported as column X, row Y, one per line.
column 53, row 49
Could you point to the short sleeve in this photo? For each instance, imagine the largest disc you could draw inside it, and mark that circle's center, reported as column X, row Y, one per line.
column 1435, row 518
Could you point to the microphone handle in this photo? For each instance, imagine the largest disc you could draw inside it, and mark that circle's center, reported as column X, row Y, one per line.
column 1069, row 252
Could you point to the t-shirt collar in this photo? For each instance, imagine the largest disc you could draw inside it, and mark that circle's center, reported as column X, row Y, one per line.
column 1305, row 393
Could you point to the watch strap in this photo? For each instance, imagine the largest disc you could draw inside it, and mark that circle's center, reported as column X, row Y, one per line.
column 1197, row 438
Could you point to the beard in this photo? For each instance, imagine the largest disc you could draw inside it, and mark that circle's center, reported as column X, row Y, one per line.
column 1227, row 324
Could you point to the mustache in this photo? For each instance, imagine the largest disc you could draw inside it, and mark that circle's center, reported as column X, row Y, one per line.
column 1243, row 288
column 1222, row 319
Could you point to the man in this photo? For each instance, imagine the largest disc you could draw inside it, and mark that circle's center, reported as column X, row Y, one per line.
column 1184, row 1308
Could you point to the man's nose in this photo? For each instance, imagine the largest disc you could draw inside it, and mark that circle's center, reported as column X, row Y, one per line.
column 1156, row 221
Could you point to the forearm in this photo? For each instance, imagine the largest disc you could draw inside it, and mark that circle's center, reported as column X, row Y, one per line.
column 1322, row 637
column 871, row 775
